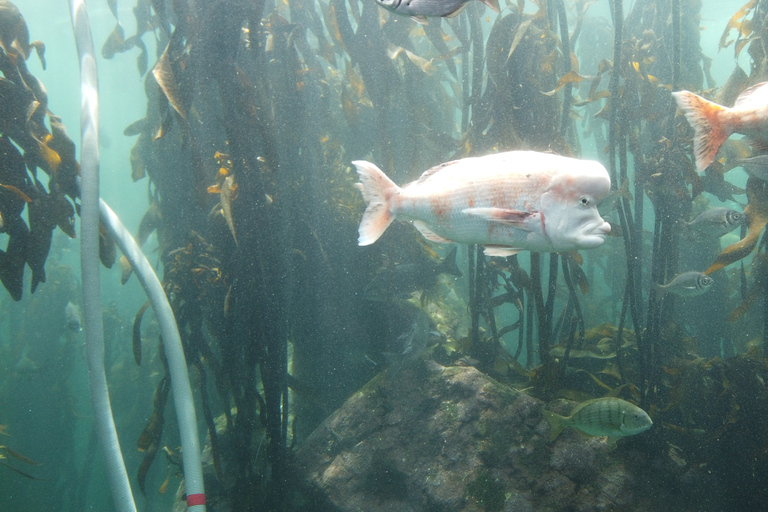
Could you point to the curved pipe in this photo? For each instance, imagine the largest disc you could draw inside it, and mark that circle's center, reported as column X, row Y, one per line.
column 90, row 209
column 174, row 353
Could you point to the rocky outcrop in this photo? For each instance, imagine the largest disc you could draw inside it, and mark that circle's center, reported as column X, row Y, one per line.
column 434, row 438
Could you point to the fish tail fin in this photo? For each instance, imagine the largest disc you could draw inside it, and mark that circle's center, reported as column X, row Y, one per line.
column 377, row 190
column 448, row 265
column 707, row 120
column 556, row 422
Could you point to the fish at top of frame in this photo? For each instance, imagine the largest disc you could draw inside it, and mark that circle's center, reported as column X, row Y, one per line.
column 420, row 10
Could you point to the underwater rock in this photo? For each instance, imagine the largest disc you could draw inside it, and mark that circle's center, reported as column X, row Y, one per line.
column 454, row 439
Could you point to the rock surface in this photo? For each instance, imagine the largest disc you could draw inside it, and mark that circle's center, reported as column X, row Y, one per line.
column 446, row 439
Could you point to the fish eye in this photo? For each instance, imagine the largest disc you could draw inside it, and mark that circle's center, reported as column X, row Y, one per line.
column 584, row 201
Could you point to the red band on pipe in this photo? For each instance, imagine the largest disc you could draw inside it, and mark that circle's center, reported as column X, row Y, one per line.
column 195, row 499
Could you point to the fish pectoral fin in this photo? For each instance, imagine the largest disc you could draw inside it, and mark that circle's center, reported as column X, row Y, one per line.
column 429, row 234
column 507, row 216
column 420, row 19
column 500, row 250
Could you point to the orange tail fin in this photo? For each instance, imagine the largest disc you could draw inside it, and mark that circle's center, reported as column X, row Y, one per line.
column 377, row 191
column 706, row 119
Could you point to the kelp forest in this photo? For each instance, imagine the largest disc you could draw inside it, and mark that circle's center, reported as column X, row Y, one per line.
column 254, row 112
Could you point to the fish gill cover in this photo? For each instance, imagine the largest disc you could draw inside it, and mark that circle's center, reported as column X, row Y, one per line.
column 254, row 112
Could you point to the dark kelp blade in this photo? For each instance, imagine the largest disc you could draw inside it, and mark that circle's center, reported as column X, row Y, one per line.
column 127, row 269
column 757, row 217
column 17, row 455
column 107, row 247
column 756, row 290
column 166, row 79
column 22, row 473
column 149, row 440
column 137, row 332
column 115, row 43
column 138, row 157
column 12, row 261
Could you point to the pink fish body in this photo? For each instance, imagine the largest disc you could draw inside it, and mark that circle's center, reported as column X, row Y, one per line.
column 714, row 123
column 508, row 202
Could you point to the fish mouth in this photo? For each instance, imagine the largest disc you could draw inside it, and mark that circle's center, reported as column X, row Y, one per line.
column 594, row 235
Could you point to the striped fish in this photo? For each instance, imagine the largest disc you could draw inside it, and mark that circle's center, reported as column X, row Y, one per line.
column 508, row 202
column 714, row 123
column 609, row 416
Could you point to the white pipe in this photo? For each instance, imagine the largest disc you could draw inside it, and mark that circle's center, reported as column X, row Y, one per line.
column 90, row 208
column 89, row 261
column 174, row 352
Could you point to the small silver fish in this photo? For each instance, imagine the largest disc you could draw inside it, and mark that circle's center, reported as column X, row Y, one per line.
column 72, row 317
column 756, row 166
column 687, row 284
column 608, row 416
column 714, row 223
column 420, row 10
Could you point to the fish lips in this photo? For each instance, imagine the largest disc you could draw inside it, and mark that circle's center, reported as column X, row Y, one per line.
column 593, row 234
column 589, row 235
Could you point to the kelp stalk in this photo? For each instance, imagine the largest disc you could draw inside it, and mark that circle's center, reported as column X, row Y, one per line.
column 566, row 48
column 89, row 260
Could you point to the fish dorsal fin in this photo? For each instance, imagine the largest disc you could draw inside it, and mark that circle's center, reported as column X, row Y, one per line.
column 750, row 97
column 507, row 216
column 500, row 250
column 434, row 170
column 429, row 234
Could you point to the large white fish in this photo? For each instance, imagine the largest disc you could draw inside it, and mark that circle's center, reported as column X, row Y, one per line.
column 714, row 123
column 508, row 202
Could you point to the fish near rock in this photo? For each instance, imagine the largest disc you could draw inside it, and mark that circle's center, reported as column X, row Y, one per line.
column 714, row 123
column 508, row 202
column 420, row 10
column 608, row 416
column 687, row 284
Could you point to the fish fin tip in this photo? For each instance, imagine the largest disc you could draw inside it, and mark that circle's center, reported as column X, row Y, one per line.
column 430, row 235
column 500, row 250
column 710, row 130
column 448, row 265
column 492, row 4
column 377, row 190
column 556, row 423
